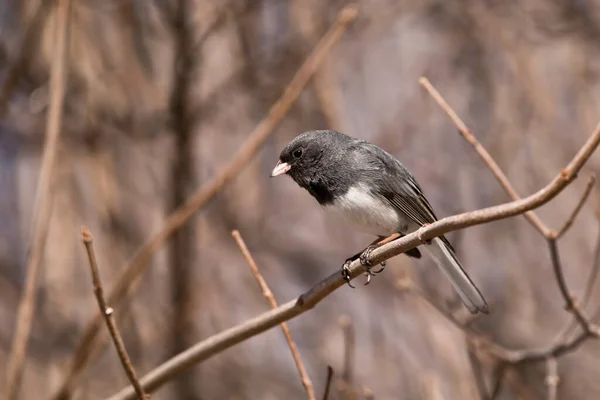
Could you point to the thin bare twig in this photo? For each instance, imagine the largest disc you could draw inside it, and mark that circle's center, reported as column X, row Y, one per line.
column 306, row 382
column 593, row 273
column 109, row 317
column 483, row 153
column 572, row 304
column 575, row 212
column 328, row 382
column 42, row 206
column 321, row 290
column 125, row 284
column 552, row 379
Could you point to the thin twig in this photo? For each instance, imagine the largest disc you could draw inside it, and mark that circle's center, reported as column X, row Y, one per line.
column 328, row 382
column 483, row 153
column 552, row 379
column 575, row 212
column 587, row 293
column 306, row 382
column 572, row 304
column 42, row 206
column 109, row 317
column 125, row 284
column 221, row 341
column 568, row 329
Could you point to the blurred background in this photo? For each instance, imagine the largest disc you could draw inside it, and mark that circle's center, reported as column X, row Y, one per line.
column 162, row 94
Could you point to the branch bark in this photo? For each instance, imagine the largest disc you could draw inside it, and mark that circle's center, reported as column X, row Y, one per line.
column 306, row 382
column 109, row 317
column 221, row 341
column 42, row 206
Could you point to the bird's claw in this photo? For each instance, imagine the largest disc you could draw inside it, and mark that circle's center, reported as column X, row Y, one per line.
column 380, row 270
column 346, row 272
column 364, row 260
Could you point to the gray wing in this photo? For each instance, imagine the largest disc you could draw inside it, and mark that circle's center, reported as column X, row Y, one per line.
column 398, row 186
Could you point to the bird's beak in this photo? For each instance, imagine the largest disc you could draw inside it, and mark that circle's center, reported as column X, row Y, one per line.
column 280, row 169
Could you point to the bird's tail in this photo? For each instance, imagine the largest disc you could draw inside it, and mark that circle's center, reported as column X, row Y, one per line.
column 450, row 266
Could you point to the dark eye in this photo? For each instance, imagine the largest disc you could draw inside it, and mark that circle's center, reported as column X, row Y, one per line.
column 297, row 153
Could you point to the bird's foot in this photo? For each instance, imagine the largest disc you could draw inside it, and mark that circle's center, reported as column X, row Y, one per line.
column 346, row 271
column 364, row 260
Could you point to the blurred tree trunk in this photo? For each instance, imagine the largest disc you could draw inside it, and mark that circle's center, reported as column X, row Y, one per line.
column 182, row 246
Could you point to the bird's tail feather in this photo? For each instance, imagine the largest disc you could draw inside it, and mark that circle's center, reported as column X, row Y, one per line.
column 464, row 286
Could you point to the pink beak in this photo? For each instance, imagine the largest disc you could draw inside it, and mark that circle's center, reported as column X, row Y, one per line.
column 280, row 169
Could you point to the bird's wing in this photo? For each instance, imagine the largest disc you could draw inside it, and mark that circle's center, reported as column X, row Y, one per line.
column 399, row 187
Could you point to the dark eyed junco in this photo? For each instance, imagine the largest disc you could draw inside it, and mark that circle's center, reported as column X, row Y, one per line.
column 373, row 191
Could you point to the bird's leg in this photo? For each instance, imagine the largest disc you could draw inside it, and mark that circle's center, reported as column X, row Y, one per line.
column 346, row 266
column 364, row 259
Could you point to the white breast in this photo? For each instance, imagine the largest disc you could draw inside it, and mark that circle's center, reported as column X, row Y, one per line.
column 367, row 213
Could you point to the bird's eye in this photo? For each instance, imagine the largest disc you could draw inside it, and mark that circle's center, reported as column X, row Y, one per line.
column 297, row 153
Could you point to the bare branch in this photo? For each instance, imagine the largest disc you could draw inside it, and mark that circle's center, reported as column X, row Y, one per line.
column 561, row 345
column 575, row 212
column 42, row 206
column 568, row 329
column 109, row 317
column 593, row 273
column 572, row 304
column 485, row 156
column 126, row 282
column 273, row 303
column 308, row 300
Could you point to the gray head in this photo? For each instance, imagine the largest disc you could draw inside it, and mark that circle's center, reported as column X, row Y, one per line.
column 310, row 154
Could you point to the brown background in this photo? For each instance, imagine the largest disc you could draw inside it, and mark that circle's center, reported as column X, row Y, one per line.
column 138, row 138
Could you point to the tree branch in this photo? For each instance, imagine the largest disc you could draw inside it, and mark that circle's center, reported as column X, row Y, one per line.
column 125, row 284
column 109, row 317
column 42, row 206
column 221, row 341
column 485, row 156
column 590, row 330
column 306, row 382
column 575, row 212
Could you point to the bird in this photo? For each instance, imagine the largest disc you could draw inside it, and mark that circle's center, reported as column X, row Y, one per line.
column 376, row 194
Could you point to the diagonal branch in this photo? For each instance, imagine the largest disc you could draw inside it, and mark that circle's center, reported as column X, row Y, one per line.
column 228, row 338
column 42, row 206
column 125, row 284
column 575, row 212
column 483, row 153
column 109, row 317
column 306, row 382
column 573, row 305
